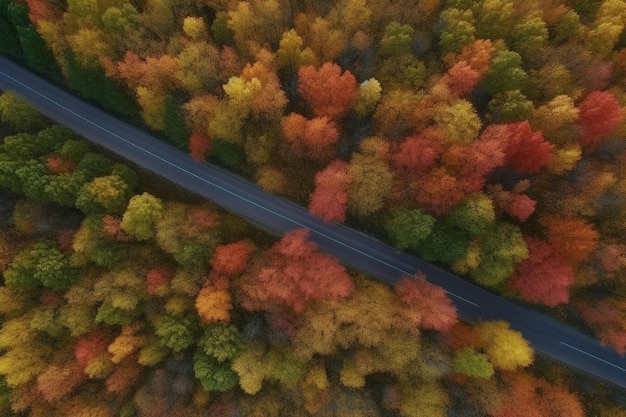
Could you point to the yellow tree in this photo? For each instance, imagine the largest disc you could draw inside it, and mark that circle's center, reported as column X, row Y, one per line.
column 370, row 177
column 506, row 348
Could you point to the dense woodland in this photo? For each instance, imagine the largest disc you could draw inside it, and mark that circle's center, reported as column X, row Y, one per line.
column 485, row 136
column 117, row 302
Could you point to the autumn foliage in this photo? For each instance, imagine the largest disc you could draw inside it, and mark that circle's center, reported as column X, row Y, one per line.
column 429, row 301
column 328, row 90
column 294, row 275
column 544, row 277
column 599, row 114
column 484, row 136
column 330, row 197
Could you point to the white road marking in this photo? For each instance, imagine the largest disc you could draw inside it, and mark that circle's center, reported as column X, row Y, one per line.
column 593, row 356
column 461, row 298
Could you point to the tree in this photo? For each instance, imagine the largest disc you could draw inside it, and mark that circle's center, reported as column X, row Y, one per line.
column 461, row 79
column 367, row 97
column 509, row 106
column 457, row 29
column 475, row 215
column 327, row 91
column 256, row 22
column 199, row 146
column 314, row 138
column 436, row 310
column 438, row 192
column 543, row 277
column 506, row 73
column 20, row 115
column 532, row 396
column 232, row 259
column 472, row 363
column 293, row 275
column 599, row 115
column 396, row 40
column 213, row 305
column 528, row 36
column 141, row 215
column 526, row 151
column 370, row 177
column 512, row 202
column 506, row 348
column 501, row 249
column 458, row 121
column 176, row 332
column 416, row 155
column 290, row 56
column 606, row 318
column 41, row 265
column 572, row 238
column 408, row 228
column 270, row 101
column 108, row 194
column 330, row 197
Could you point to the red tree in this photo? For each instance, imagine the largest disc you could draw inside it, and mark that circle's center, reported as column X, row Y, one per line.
column 326, row 90
column 57, row 165
column 571, row 237
column 599, row 114
column 315, row 138
column 526, row 151
column 438, row 191
column 199, row 145
column 158, row 279
column 461, row 79
column 416, row 155
column 90, row 346
column 472, row 163
column 231, row 259
column 512, row 203
column 292, row 275
column 330, row 197
column 529, row 396
column 435, row 308
column 543, row 277
column 608, row 318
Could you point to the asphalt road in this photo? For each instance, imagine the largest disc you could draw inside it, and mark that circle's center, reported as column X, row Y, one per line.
column 353, row 248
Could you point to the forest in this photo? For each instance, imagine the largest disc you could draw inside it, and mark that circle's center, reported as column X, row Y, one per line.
column 484, row 136
column 116, row 301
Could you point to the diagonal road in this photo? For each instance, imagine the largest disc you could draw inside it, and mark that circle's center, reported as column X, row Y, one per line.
column 353, row 248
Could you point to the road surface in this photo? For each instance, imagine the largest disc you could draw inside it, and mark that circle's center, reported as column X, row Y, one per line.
column 353, row 248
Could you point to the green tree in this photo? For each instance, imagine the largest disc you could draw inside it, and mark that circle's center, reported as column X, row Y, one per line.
column 396, row 40
column 509, row 106
column 220, row 341
column 475, row 215
column 176, row 333
column 457, row 30
column 409, row 227
column 174, row 124
column 42, row 265
column 501, row 249
column 36, row 52
column 213, row 374
column 19, row 115
column 472, row 363
column 141, row 215
column 107, row 194
column 506, row 73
